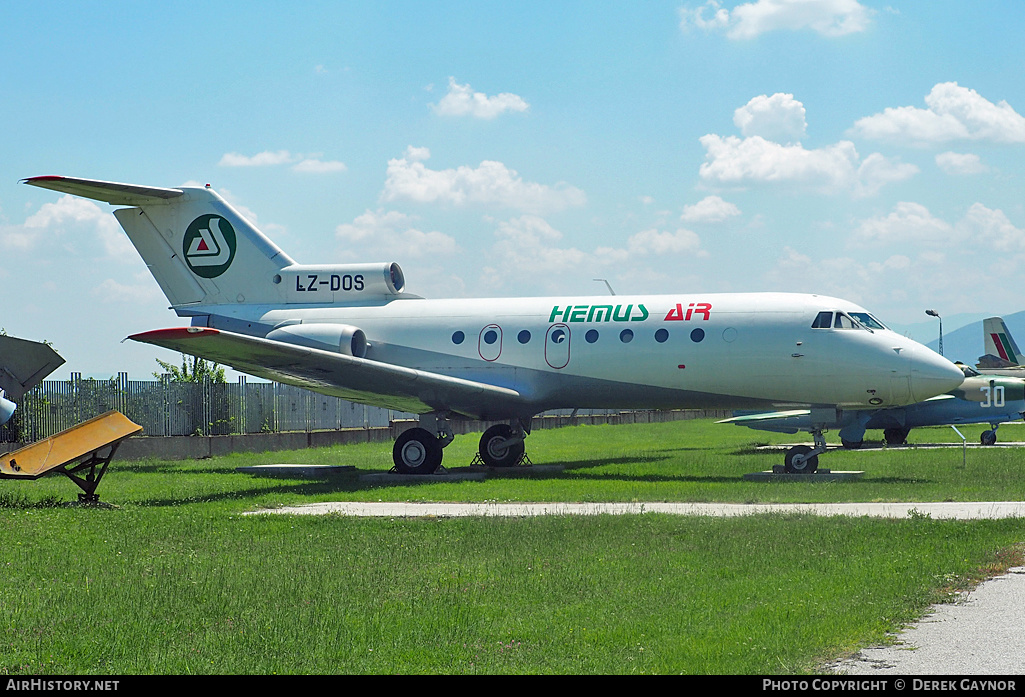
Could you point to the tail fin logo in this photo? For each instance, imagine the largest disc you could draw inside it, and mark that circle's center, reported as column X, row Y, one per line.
column 209, row 245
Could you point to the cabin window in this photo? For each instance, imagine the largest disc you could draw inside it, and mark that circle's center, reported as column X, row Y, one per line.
column 457, row 338
column 591, row 336
column 698, row 335
column 523, row 336
column 662, row 335
column 490, row 336
column 626, row 336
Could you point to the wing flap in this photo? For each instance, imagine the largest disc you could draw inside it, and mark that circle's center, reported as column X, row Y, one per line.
column 356, row 379
column 111, row 192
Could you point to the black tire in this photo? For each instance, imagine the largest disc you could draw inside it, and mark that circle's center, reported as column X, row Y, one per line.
column 851, row 444
column 988, row 438
column 798, row 462
column 416, row 451
column 496, row 455
column 896, row 436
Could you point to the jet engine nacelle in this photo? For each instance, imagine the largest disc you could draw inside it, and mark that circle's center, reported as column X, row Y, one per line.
column 7, row 408
column 340, row 283
column 340, row 338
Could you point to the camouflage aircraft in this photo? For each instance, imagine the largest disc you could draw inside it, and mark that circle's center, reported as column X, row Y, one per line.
column 981, row 398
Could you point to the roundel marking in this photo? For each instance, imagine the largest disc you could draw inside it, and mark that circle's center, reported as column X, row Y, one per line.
column 209, row 245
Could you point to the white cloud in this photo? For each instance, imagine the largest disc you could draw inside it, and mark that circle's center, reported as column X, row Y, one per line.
column 315, row 166
column 461, row 100
column 835, row 168
column 263, row 159
column 907, row 258
column 912, row 224
column 953, row 113
column 311, row 164
column 960, row 163
column 73, row 220
column 779, row 118
column 143, row 291
column 711, row 209
column 389, row 233
column 653, row 241
column 491, row 183
column 908, row 223
column 826, row 17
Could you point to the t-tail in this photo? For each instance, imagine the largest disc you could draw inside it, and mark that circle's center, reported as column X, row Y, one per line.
column 203, row 252
column 1001, row 350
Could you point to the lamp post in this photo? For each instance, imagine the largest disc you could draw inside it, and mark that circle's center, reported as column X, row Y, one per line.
column 934, row 313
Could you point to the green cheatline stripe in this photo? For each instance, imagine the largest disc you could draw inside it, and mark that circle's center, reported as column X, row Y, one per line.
column 1011, row 355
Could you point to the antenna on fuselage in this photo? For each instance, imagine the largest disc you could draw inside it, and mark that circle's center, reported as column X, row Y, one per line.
column 607, row 285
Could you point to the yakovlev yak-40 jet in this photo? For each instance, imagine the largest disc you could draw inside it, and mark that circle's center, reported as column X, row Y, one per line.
column 352, row 331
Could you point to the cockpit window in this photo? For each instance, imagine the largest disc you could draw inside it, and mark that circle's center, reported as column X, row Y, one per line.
column 842, row 321
column 868, row 320
column 824, row 320
column 968, row 371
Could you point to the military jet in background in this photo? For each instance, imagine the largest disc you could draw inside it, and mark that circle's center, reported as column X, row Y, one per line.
column 23, row 365
column 981, row 398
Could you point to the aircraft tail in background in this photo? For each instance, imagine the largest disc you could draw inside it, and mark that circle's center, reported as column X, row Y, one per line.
column 1001, row 350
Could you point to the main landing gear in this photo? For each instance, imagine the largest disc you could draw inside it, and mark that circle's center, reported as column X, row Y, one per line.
column 419, row 450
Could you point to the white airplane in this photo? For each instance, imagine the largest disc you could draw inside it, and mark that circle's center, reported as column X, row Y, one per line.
column 352, row 330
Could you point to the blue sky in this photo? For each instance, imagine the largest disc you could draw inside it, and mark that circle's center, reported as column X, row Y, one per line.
column 864, row 150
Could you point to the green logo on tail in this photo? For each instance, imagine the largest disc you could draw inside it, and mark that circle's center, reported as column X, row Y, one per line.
column 209, row 245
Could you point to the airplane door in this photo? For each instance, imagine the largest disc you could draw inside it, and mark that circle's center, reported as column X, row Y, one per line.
column 489, row 344
column 557, row 346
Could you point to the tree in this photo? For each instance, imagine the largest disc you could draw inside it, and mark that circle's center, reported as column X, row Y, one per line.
column 194, row 370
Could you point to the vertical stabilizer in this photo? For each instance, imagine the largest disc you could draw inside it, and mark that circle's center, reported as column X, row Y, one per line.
column 999, row 342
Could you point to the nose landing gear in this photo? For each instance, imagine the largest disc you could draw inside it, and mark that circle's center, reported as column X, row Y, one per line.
column 801, row 459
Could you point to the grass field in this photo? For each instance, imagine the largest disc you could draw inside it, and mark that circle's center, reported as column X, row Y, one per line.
column 175, row 580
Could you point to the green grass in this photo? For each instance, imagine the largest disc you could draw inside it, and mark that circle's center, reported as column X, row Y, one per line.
column 175, row 580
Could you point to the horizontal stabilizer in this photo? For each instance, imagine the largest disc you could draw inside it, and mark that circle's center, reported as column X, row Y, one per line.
column 111, row 192
column 24, row 364
column 355, row 379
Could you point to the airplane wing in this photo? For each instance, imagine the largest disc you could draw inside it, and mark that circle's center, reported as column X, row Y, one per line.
column 24, row 364
column 765, row 416
column 355, row 379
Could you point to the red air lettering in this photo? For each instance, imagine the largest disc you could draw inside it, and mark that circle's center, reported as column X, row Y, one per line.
column 694, row 310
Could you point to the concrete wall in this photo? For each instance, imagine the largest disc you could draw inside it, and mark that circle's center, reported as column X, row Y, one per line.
column 196, row 447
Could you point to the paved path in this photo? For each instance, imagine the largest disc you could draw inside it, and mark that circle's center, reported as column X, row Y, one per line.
column 960, row 511
column 982, row 634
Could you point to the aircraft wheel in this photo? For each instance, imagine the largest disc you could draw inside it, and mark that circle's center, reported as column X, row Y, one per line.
column 416, row 451
column 851, row 444
column 896, row 436
column 988, row 438
column 495, row 452
column 797, row 461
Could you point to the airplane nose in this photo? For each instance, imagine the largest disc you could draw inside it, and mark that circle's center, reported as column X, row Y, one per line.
column 932, row 374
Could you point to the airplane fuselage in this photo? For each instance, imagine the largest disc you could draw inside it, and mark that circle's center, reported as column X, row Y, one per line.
column 652, row 351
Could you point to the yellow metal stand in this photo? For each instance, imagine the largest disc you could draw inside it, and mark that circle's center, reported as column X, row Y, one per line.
column 82, row 443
